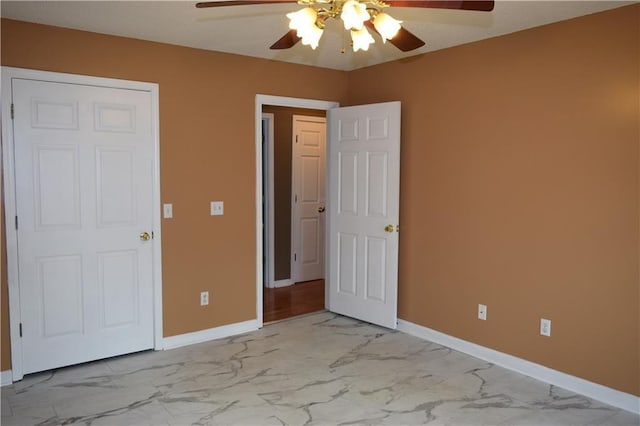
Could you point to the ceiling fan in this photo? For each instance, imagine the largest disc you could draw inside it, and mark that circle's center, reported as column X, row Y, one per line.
column 307, row 24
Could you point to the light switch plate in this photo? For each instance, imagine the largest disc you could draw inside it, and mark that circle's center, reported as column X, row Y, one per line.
column 167, row 210
column 482, row 312
column 545, row 327
column 217, row 208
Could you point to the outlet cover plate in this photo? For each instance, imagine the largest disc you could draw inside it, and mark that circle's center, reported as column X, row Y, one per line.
column 217, row 208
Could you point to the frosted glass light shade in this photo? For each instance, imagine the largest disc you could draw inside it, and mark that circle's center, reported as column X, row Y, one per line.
column 361, row 39
column 387, row 26
column 302, row 20
column 311, row 36
column 354, row 14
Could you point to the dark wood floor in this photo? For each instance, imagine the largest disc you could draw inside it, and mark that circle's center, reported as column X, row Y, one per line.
column 297, row 299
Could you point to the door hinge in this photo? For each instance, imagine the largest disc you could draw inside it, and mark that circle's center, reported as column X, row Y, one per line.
column 295, row 257
column 152, row 235
column 296, row 135
column 295, row 198
column 20, row 329
column 12, row 112
column 16, row 222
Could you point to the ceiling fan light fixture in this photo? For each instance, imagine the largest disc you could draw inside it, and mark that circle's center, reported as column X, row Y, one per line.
column 386, row 26
column 361, row 39
column 354, row 15
column 308, row 24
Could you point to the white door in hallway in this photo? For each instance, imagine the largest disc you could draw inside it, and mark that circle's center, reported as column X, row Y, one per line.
column 84, row 180
column 364, row 182
column 309, row 153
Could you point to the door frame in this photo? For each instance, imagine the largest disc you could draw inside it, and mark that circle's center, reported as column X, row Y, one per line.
column 262, row 100
column 268, row 188
column 8, row 164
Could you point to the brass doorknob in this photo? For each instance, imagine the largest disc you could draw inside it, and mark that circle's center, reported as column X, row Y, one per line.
column 144, row 236
column 388, row 228
column 321, row 209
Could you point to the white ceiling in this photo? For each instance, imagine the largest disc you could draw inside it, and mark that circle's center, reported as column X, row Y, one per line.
column 250, row 30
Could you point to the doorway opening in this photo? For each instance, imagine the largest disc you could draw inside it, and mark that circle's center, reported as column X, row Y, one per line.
column 279, row 294
column 294, row 176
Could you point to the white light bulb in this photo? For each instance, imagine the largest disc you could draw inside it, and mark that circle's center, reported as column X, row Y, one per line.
column 354, row 14
column 387, row 26
column 361, row 39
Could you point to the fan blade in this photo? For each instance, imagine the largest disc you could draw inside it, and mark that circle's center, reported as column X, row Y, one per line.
column 286, row 41
column 404, row 40
column 239, row 3
column 479, row 5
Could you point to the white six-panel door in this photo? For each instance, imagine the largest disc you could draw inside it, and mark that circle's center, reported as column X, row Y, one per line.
column 309, row 152
column 364, row 170
column 84, row 187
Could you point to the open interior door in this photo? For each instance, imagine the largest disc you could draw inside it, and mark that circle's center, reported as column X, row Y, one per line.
column 363, row 212
column 308, row 197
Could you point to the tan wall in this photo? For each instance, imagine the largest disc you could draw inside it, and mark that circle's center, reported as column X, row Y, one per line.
column 520, row 180
column 283, row 134
column 519, row 190
column 207, row 113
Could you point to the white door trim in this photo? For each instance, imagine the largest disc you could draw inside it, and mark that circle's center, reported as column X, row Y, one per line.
column 269, row 225
column 268, row 193
column 267, row 174
column 9, row 73
column 275, row 101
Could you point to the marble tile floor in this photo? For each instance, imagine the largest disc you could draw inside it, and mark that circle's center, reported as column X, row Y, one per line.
column 320, row 369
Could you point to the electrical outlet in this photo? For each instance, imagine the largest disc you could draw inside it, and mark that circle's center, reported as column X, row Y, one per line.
column 204, row 298
column 545, row 327
column 217, row 208
column 482, row 312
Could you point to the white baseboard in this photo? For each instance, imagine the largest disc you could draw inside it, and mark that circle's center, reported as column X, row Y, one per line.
column 6, row 378
column 598, row 392
column 209, row 334
column 282, row 283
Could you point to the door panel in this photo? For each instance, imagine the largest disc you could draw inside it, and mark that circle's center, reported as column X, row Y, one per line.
column 308, row 197
column 364, row 170
column 348, row 183
column 118, row 282
column 56, row 187
column 375, row 259
column 54, row 114
column 376, row 181
column 84, row 176
column 60, row 287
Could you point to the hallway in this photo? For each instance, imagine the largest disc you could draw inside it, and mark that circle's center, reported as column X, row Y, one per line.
column 293, row 300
